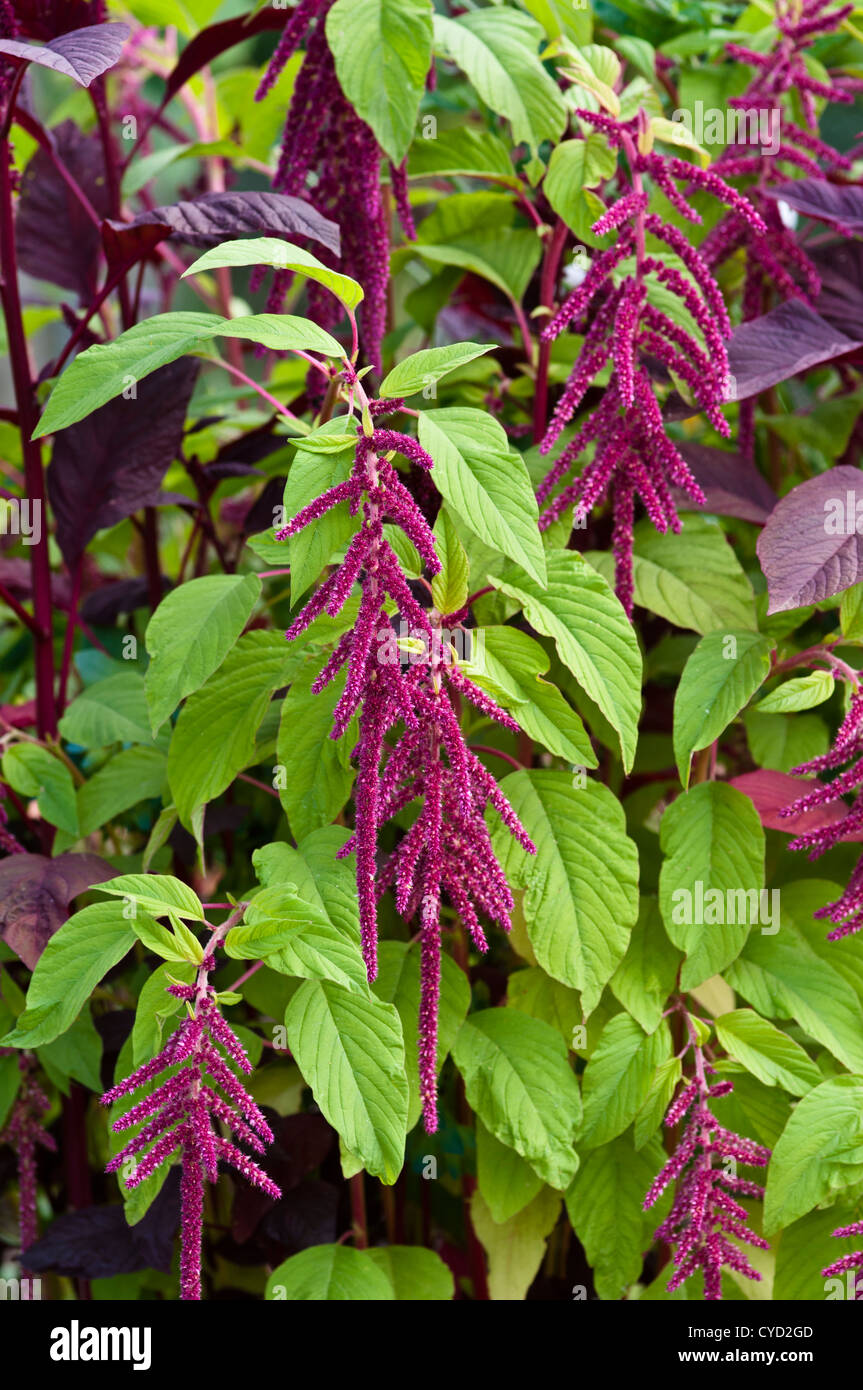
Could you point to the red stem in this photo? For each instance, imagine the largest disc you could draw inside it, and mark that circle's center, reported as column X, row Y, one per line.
column 547, row 288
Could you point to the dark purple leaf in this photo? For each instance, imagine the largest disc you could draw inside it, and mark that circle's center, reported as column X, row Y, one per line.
column 121, row 596
column 35, row 893
column 112, row 463
column 770, row 791
column 306, row 1216
column 810, row 548
column 840, row 204
column 82, row 54
column 16, row 575
column 216, row 39
column 840, row 266
column 260, row 515
column 125, row 243
column 67, row 257
column 230, row 468
column 790, row 339
column 215, row 217
column 98, row 1242
column 732, row 486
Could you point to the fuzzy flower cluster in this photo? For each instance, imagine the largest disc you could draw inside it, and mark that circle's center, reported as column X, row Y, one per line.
column 447, row 848
column 705, row 1213
column 633, row 456
column 178, row 1115
column 324, row 137
column 8, row 842
column 24, row 1133
column 780, row 261
column 847, row 1262
column 847, row 748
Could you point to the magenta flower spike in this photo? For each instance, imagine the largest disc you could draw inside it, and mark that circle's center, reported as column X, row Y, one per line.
column 178, row 1115
column 24, row 1133
column 705, row 1214
column 848, row 1262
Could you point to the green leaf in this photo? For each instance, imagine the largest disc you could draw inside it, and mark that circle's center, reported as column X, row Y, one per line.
column 320, row 877
column 577, row 165
column 506, row 1181
column 782, row 977
column 75, row 1056
column 159, row 894
column 605, row 1207
column 485, row 483
column 767, row 1052
column 618, row 1076
column 298, row 938
column 711, row 881
column 107, row 370
column 113, row 710
column 320, row 776
column 382, row 51
column 535, row 993
column 851, row 613
column 126, row 778
column 398, row 983
column 720, row 677
column 819, row 1153
column 510, row 665
column 10, row 1082
column 268, row 250
column 450, row 586
column 164, row 943
column 351, row 1052
column 646, row 975
column 582, row 884
column 426, row 367
column 592, row 633
column 693, row 579
column 519, row 1082
column 73, row 962
column 191, row 633
column 155, row 1007
column 330, row 1273
column 214, row 737
column 516, row 1247
column 32, row 771
column 461, row 150
column 781, row 742
column 803, row 692
column 311, row 474
column 496, row 49
column 656, row 1102
column 417, row 1275
column 802, row 1251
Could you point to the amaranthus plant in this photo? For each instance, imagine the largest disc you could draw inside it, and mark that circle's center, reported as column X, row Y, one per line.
column 431, row 594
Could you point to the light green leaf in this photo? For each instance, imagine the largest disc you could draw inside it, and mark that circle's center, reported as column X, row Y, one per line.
column 519, row 1082
column 320, row 878
column 106, row 370
column 592, row 633
column 298, row 938
column 75, row 1056
column 781, row 742
column 126, row 778
column 535, row 993
column 574, row 167
column 710, row 883
column 164, row 943
column 311, row 473
column 510, row 665
column 618, row 1076
column 417, row 1275
column 422, row 369
column 605, row 1206
column 450, row 586
column 113, row 710
column 191, row 633
column 73, row 962
column 693, row 579
column 159, row 894
column 515, row 1248
column 803, row 692
column 214, row 737
column 268, row 250
column 383, row 52
column 496, row 48
column 656, row 1102
column 485, row 483
column 802, row 1251
column 330, row 1273
column 319, row 774
column 646, row 975
column 819, row 1153
column 351, row 1052
column 461, row 150
column 155, row 1007
column 851, row 613
column 32, row 771
column 582, row 884
column 506, row 1181
column 398, row 983
column 720, row 677
column 767, row 1052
